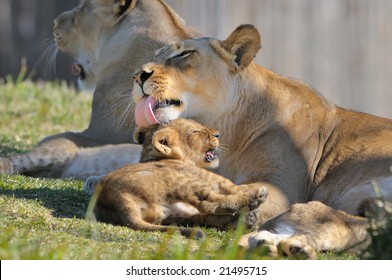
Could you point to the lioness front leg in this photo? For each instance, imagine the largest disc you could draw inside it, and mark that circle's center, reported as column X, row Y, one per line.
column 213, row 202
column 49, row 158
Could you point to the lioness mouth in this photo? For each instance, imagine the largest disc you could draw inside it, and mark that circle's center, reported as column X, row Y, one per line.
column 210, row 155
column 77, row 69
column 167, row 103
column 147, row 109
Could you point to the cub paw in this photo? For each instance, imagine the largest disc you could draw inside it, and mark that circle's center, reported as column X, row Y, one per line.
column 202, row 194
column 257, row 197
column 251, row 219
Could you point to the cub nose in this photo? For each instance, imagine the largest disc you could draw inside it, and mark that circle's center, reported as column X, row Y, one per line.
column 142, row 76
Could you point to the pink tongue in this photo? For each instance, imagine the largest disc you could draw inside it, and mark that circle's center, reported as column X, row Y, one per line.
column 144, row 115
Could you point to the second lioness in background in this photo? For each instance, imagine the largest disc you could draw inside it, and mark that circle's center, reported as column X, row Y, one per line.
column 171, row 184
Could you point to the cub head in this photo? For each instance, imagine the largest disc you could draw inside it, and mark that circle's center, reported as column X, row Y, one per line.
column 80, row 30
column 182, row 139
column 194, row 78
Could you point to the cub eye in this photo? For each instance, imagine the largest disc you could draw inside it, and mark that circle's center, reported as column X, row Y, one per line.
column 183, row 55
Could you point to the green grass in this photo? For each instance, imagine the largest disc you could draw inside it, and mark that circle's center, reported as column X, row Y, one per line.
column 45, row 218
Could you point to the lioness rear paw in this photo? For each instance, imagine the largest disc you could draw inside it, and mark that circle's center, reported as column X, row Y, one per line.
column 258, row 197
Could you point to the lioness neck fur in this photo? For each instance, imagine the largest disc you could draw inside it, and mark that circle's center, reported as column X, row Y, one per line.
column 277, row 130
column 171, row 184
column 109, row 39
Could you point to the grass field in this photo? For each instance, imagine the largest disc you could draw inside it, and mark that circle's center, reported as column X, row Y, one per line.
column 46, row 218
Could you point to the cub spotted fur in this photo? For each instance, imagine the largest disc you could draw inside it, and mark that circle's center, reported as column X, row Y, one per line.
column 171, row 184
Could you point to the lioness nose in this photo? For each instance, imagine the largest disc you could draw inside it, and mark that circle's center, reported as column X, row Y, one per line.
column 142, row 76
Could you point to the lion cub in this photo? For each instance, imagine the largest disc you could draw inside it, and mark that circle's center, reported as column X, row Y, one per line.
column 170, row 183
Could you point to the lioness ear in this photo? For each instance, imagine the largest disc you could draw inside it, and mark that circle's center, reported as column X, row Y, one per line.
column 164, row 142
column 123, row 7
column 243, row 44
column 139, row 135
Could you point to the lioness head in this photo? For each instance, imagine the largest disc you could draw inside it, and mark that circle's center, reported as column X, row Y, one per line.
column 187, row 79
column 182, row 139
column 78, row 31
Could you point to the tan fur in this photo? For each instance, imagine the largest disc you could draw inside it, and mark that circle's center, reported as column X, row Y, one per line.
column 276, row 130
column 170, row 184
column 109, row 39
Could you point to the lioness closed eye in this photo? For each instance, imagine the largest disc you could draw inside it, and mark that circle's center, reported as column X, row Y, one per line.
column 171, row 185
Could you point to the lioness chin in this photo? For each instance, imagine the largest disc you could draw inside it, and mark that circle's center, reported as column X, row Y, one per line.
column 277, row 131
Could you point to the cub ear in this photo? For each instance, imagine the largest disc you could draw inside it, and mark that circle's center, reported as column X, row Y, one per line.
column 243, row 44
column 164, row 141
column 139, row 135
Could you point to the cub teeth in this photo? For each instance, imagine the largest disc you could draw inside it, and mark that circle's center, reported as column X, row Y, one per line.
column 210, row 156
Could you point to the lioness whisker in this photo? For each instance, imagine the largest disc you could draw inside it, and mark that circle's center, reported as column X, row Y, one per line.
column 118, row 101
column 122, row 119
column 49, row 52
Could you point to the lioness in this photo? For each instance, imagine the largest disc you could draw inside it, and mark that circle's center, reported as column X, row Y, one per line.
column 276, row 130
column 171, row 184
column 109, row 39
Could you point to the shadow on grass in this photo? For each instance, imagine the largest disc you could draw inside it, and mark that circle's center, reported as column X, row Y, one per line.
column 65, row 203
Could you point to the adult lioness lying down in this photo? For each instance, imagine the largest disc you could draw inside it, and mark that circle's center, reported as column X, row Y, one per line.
column 109, row 39
column 276, row 130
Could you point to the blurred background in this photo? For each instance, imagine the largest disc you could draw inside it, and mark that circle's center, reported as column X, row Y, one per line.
column 343, row 48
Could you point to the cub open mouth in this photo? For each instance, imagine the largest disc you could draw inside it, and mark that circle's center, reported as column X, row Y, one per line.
column 210, row 155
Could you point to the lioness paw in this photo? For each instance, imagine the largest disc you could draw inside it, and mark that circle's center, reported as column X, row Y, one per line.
column 295, row 248
column 263, row 241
